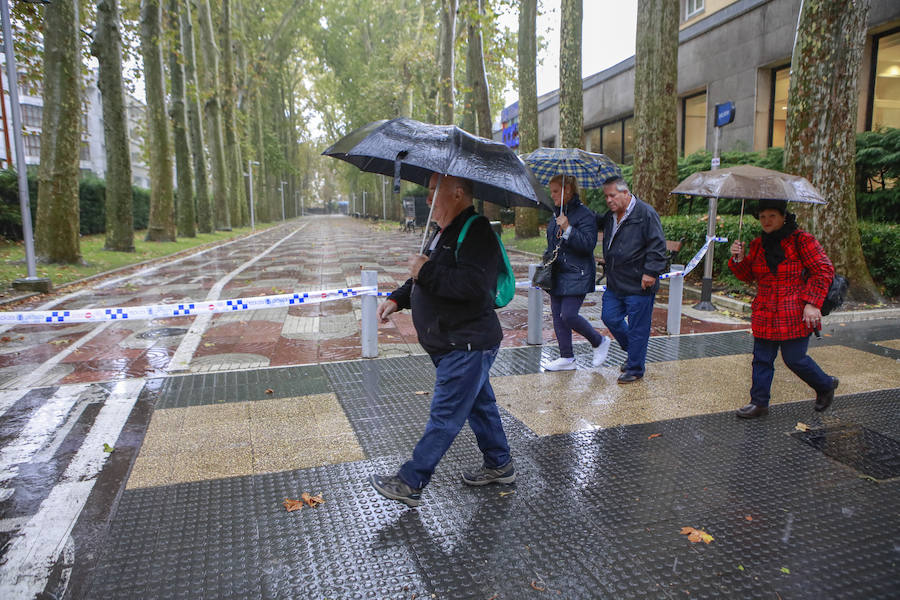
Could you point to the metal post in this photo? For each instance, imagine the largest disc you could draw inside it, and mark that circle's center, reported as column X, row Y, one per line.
column 296, row 203
column 383, row 200
column 535, row 311
column 676, row 293
column 369, row 320
column 282, row 199
column 706, row 291
column 21, row 168
column 250, row 164
column 364, row 204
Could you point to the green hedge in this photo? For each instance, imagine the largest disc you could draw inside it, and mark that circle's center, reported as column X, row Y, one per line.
column 881, row 247
column 91, row 204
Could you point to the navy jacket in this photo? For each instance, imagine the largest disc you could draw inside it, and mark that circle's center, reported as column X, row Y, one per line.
column 453, row 301
column 574, row 271
column 639, row 248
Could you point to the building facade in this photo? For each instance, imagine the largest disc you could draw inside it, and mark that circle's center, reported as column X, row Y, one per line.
column 729, row 50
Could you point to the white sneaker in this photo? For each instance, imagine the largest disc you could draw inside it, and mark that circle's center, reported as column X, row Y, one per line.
column 601, row 351
column 561, row 364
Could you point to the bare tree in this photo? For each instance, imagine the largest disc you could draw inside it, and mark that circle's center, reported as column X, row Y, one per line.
column 107, row 47
column 527, row 218
column 656, row 104
column 820, row 135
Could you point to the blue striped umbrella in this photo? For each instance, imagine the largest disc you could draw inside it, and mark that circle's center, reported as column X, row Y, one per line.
column 589, row 168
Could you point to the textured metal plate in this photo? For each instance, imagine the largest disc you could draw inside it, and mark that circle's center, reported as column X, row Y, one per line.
column 860, row 448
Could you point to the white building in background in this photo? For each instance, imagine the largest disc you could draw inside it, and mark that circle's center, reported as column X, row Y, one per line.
column 93, row 145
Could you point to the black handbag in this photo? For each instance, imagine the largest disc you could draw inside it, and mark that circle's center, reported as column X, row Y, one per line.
column 543, row 274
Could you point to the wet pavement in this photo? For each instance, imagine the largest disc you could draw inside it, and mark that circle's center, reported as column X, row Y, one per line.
column 151, row 459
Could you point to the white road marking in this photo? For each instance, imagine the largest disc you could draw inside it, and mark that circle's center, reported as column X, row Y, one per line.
column 34, row 550
column 32, row 378
column 8, row 398
column 181, row 359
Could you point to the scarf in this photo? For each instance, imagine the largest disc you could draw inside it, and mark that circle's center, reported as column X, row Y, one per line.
column 771, row 242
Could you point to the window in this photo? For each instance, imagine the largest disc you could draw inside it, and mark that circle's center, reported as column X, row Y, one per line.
column 612, row 140
column 692, row 8
column 781, row 82
column 628, row 141
column 884, row 101
column 32, row 143
column 693, row 123
column 32, row 115
column 85, row 151
column 592, row 140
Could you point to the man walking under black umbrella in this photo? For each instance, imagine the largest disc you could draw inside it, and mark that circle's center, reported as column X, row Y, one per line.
column 451, row 293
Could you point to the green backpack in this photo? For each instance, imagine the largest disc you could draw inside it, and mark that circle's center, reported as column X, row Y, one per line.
column 506, row 280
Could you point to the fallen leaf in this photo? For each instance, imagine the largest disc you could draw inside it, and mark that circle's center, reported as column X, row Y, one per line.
column 270, row 391
column 654, row 435
column 312, row 500
column 507, row 493
column 535, row 586
column 107, row 447
column 292, row 505
column 749, row 518
column 208, row 344
column 801, row 426
column 696, row 535
column 785, row 570
column 421, row 393
column 740, row 567
column 58, row 342
column 4, row 339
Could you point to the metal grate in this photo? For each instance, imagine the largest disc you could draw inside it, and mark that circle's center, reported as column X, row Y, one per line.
column 858, row 447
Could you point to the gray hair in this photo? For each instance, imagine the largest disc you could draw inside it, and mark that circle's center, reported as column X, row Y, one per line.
column 618, row 182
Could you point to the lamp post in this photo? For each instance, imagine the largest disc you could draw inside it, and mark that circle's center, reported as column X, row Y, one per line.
column 283, row 183
column 32, row 281
column 250, row 164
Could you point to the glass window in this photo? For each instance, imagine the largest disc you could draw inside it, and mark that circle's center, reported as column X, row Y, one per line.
column 611, row 143
column 32, row 143
column 781, row 82
column 628, row 157
column 693, row 7
column 85, row 151
column 693, row 125
column 593, row 143
column 886, row 97
column 32, row 115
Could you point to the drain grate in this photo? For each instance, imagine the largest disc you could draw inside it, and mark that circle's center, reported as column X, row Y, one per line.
column 161, row 332
column 860, row 448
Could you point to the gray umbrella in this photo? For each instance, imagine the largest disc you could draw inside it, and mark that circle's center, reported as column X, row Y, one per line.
column 410, row 150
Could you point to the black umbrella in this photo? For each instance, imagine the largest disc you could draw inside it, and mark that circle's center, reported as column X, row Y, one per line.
column 413, row 151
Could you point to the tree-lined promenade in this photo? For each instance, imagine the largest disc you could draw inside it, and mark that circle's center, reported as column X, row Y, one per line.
column 237, row 92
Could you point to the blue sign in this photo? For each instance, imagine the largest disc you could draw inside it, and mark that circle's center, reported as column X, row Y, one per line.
column 724, row 113
column 511, row 135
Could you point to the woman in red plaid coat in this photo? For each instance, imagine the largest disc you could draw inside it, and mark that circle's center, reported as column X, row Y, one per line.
column 787, row 307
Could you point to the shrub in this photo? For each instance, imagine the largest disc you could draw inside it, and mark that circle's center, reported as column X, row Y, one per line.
column 881, row 247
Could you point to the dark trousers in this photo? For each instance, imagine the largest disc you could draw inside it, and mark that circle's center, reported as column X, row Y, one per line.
column 795, row 357
column 633, row 335
column 461, row 391
column 566, row 320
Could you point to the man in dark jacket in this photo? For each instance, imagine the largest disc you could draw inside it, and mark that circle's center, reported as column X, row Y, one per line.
column 634, row 250
column 451, row 292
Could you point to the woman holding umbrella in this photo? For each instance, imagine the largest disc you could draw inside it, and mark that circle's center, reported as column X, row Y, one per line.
column 572, row 236
column 792, row 273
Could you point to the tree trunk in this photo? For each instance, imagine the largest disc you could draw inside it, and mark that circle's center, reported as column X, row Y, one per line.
column 571, row 93
column 261, row 194
column 655, row 112
column 211, row 109
column 107, row 47
column 446, row 62
column 229, row 120
column 57, row 229
column 185, row 207
column 820, row 136
column 477, row 83
column 161, row 224
column 198, row 153
column 527, row 218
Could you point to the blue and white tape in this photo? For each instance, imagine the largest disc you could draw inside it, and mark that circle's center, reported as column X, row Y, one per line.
column 162, row 311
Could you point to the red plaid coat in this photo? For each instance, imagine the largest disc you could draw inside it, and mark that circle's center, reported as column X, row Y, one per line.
column 780, row 298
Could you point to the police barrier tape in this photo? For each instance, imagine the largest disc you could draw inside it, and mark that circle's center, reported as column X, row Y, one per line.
column 181, row 309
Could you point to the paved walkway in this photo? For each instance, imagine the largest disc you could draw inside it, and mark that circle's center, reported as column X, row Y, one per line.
column 213, row 426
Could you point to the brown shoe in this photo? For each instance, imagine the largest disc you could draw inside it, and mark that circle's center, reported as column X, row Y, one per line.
column 824, row 399
column 751, row 411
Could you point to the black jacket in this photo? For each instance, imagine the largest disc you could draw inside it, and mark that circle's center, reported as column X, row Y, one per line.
column 453, row 301
column 574, row 270
column 639, row 248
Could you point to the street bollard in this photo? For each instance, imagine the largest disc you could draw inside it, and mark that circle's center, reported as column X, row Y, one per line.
column 676, row 291
column 369, row 320
column 535, row 311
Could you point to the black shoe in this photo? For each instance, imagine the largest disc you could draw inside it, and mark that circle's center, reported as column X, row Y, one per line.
column 622, row 367
column 751, row 411
column 485, row 475
column 392, row 487
column 628, row 378
column 824, row 399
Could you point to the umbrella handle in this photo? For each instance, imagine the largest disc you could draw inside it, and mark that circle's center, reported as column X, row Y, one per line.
column 741, row 225
column 437, row 188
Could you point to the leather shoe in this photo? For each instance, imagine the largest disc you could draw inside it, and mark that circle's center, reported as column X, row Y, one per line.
column 622, row 367
column 824, row 399
column 628, row 378
column 751, row 411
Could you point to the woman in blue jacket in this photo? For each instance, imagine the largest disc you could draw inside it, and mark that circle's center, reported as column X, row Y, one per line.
column 573, row 230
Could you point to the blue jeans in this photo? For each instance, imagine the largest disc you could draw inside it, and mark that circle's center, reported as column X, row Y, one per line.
column 461, row 391
column 566, row 319
column 633, row 335
column 797, row 360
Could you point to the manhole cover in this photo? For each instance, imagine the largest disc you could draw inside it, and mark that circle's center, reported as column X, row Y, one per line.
column 162, row 332
column 867, row 451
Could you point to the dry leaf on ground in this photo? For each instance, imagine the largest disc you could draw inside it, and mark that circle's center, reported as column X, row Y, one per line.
column 801, row 426
column 292, row 505
column 696, row 535
column 312, row 500
column 535, row 586
column 654, row 435
column 421, row 393
column 270, row 391
column 749, row 518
